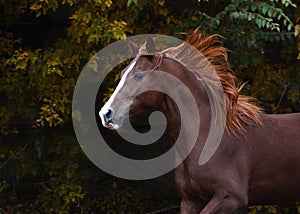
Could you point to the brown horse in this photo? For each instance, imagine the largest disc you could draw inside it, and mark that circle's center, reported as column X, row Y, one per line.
column 258, row 158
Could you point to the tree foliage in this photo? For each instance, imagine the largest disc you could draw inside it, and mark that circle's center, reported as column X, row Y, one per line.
column 42, row 167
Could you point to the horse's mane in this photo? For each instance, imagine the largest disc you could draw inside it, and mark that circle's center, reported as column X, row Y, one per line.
column 240, row 111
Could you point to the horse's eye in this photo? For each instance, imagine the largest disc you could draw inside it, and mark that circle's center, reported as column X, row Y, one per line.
column 138, row 76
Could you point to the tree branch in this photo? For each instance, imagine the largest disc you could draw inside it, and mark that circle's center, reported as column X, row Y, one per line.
column 164, row 209
column 281, row 97
column 3, row 211
column 14, row 155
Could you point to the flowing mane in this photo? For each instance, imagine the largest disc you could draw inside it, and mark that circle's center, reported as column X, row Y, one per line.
column 240, row 111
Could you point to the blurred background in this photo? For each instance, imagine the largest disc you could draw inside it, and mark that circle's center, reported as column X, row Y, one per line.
column 44, row 45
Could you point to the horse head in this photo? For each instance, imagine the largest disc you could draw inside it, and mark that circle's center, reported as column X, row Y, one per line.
column 130, row 93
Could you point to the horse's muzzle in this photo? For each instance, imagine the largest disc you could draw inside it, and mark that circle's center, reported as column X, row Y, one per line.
column 106, row 115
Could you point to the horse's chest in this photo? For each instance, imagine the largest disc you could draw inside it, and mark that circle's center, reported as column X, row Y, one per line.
column 193, row 182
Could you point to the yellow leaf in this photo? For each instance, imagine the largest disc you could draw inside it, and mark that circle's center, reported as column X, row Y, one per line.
column 161, row 2
column 168, row 20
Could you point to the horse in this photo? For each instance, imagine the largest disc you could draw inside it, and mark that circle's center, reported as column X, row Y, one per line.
column 258, row 159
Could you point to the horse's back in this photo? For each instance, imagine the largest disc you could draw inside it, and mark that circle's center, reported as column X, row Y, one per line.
column 275, row 160
column 283, row 129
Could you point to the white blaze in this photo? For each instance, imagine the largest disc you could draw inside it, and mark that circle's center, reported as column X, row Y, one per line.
column 107, row 105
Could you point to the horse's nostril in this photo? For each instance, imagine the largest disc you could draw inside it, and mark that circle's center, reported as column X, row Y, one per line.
column 108, row 115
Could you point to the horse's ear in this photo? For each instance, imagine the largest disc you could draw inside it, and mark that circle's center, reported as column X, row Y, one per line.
column 133, row 47
column 150, row 46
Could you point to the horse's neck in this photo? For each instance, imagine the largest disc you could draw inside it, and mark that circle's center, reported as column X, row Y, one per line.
column 172, row 113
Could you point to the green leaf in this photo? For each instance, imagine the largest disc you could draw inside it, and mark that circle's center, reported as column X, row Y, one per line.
column 270, row 13
column 258, row 23
column 253, row 7
column 129, row 3
column 264, row 10
column 279, row 17
column 38, row 14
